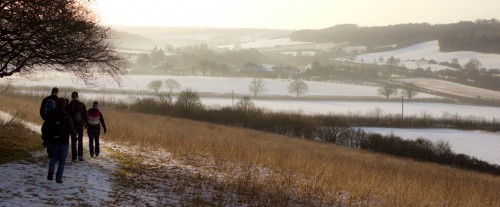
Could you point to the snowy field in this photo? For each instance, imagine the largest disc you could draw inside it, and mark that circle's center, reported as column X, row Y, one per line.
column 482, row 145
column 327, row 107
column 430, row 51
column 366, row 107
column 219, row 85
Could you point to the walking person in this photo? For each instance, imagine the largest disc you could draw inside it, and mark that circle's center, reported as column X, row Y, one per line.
column 95, row 120
column 78, row 112
column 48, row 104
column 57, row 127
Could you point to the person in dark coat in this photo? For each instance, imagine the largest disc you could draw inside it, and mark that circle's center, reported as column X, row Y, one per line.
column 78, row 112
column 45, row 108
column 95, row 120
column 57, row 128
column 53, row 96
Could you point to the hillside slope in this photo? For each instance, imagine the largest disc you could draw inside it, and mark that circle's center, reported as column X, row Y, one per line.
column 255, row 168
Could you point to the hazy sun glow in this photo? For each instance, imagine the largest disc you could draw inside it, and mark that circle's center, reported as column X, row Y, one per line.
column 291, row 14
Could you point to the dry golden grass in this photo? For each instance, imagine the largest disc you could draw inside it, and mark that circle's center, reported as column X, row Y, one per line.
column 310, row 172
column 17, row 141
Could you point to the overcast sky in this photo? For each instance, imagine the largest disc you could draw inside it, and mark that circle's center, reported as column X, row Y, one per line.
column 291, row 14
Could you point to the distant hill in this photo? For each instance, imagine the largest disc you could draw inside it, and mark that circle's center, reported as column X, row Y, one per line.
column 479, row 36
column 183, row 36
column 125, row 40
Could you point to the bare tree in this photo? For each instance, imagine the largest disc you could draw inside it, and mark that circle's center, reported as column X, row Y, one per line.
column 245, row 104
column 172, row 84
column 298, row 88
column 63, row 35
column 387, row 91
column 188, row 101
column 155, row 86
column 409, row 91
column 257, row 86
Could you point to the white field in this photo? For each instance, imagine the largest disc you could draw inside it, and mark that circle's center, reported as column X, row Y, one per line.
column 328, row 107
column 430, row 50
column 479, row 144
column 453, row 88
column 275, row 87
column 219, row 85
column 368, row 108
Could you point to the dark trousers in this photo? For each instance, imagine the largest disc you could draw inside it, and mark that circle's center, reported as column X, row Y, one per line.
column 77, row 140
column 94, row 138
column 58, row 154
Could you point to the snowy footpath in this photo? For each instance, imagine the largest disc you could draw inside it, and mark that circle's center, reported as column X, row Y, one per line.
column 24, row 183
column 86, row 183
column 161, row 181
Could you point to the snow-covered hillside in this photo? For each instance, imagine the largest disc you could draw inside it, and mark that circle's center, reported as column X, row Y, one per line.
column 430, row 51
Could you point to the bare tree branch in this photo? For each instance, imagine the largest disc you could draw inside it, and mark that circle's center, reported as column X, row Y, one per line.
column 61, row 35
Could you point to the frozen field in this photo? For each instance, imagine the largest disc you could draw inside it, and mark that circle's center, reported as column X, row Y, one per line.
column 482, row 145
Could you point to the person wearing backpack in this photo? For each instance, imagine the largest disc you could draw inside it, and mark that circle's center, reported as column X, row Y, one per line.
column 78, row 112
column 57, row 127
column 48, row 104
column 95, row 120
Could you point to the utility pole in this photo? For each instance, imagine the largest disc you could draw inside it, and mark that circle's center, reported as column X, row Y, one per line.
column 402, row 107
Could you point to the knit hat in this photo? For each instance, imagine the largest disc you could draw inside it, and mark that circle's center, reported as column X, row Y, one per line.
column 95, row 105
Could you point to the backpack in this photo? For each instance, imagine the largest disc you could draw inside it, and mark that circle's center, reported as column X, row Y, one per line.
column 50, row 105
column 55, row 127
column 76, row 112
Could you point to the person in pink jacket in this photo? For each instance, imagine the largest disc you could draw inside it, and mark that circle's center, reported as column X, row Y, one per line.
column 95, row 120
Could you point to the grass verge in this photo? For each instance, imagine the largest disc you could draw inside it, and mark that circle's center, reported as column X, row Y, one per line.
column 17, row 142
